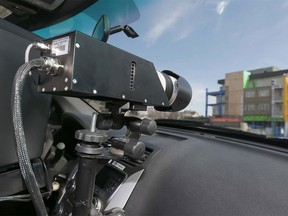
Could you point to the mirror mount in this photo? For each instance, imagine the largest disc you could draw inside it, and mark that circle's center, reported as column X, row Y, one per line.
column 102, row 30
column 128, row 30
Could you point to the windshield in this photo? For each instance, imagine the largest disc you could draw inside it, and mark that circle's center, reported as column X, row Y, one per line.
column 233, row 53
column 120, row 12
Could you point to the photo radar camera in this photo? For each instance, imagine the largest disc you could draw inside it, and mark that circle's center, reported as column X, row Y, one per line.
column 77, row 65
column 88, row 68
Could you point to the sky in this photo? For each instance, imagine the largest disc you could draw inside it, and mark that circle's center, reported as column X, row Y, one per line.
column 201, row 40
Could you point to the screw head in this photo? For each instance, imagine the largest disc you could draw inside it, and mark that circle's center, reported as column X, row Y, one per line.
column 94, row 91
column 77, row 45
column 74, row 81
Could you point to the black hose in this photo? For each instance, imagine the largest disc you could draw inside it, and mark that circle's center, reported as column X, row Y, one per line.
column 22, row 151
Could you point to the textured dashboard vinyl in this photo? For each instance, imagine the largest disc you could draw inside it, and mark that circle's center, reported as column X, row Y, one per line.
column 208, row 176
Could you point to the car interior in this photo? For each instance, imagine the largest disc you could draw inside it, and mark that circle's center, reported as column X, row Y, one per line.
column 185, row 168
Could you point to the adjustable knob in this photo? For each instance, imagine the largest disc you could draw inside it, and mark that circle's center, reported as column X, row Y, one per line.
column 91, row 135
column 132, row 148
column 88, row 136
column 148, row 126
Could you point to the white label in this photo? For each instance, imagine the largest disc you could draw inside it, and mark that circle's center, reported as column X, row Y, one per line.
column 60, row 46
column 118, row 165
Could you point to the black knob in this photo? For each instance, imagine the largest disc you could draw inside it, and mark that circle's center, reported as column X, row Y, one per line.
column 148, row 126
column 132, row 148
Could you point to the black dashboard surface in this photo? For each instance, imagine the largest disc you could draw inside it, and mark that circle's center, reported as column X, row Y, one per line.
column 200, row 174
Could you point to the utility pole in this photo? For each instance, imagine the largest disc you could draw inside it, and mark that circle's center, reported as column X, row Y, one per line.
column 285, row 104
column 273, row 105
column 206, row 103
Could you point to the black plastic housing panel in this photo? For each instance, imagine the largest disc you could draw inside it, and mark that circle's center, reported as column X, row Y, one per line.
column 35, row 106
column 94, row 69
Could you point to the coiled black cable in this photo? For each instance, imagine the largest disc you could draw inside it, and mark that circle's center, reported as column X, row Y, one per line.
column 22, row 151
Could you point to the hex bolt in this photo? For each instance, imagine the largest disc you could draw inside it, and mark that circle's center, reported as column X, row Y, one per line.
column 55, row 186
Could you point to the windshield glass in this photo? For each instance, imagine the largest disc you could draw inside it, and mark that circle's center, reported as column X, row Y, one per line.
column 120, row 12
column 233, row 53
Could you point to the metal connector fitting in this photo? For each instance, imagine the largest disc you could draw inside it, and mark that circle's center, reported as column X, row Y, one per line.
column 41, row 46
column 51, row 66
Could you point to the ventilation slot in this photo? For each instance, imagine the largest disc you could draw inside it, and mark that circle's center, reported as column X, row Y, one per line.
column 132, row 76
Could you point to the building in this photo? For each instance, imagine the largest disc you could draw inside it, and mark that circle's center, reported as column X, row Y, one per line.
column 251, row 99
column 263, row 99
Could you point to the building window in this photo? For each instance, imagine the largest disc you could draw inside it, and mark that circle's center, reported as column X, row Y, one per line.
column 264, row 107
column 249, row 107
column 279, row 108
column 249, row 94
column 278, row 94
column 264, row 93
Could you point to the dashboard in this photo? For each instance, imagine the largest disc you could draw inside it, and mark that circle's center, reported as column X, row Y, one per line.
column 187, row 172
